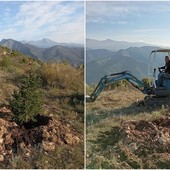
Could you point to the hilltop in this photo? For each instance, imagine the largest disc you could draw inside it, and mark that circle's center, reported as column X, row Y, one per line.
column 56, row 140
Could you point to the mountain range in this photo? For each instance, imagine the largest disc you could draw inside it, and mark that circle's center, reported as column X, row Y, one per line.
column 46, row 43
column 113, row 45
column 101, row 61
column 72, row 54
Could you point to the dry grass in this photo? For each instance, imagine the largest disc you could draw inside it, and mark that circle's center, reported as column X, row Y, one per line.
column 62, row 76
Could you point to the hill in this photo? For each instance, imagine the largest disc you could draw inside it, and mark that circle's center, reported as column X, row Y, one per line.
column 122, row 135
column 56, row 139
column 113, row 45
column 73, row 55
column 134, row 59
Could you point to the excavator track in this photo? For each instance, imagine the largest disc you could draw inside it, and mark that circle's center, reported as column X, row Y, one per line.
column 154, row 101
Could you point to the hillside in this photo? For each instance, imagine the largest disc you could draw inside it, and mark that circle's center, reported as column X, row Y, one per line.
column 56, row 139
column 134, row 59
column 122, row 135
column 73, row 55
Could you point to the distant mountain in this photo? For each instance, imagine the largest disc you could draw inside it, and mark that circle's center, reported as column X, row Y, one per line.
column 16, row 45
column 112, row 45
column 134, row 59
column 46, row 43
column 98, row 54
column 74, row 55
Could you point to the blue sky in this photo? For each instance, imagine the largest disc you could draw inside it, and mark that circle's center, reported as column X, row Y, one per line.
column 61, row 21
column 147, row 21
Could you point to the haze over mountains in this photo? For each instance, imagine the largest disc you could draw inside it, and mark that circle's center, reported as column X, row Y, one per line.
column 46, row 43
column 113, row 45
column 48, row 50
column 134, row 58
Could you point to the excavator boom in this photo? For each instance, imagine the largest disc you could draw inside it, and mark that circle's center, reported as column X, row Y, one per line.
column 112, row 78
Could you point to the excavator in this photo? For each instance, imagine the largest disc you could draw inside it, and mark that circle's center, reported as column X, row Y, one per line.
column 154, row 95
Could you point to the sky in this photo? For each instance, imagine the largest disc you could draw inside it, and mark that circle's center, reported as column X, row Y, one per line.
column 147, row 21
column 60, row 21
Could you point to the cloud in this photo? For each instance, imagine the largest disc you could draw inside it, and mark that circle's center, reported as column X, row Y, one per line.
column 36, row 20
column 109, row 11
column 102, row 12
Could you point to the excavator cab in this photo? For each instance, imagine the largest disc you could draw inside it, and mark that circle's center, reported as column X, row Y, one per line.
column 155, row 57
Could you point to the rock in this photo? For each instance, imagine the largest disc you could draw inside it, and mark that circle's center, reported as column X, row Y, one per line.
column 54, row 131
column 127, row 140
column 8, row 139
column 1, row 158
column 1, row 140
column 10, row 151
column 27, row 154
column 76, row 140
column 48, row 146
column 69, row 138
column 162, row 140
column 132, row 147
column 22, row 145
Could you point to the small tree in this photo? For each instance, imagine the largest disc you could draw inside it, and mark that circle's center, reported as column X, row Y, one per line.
column 27, row 102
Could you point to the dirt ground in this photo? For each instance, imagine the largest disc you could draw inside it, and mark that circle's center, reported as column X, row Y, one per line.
column 32, row 138
column 122, row 135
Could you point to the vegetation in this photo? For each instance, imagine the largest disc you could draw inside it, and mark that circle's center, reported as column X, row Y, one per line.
column 5, row 63
column 27, row 102
column 62, row 76
column 146, row 81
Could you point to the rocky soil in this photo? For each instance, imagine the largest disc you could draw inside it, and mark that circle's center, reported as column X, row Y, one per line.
column 48, row 136
column 139, row 144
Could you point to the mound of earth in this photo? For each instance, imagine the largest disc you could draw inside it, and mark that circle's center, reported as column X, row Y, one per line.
column 150, row 141
column 139, row 144
column 14, row 138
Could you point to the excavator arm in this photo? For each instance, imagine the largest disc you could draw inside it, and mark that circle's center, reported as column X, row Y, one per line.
column 112, row 78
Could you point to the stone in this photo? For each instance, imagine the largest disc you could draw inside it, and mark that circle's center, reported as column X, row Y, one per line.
column 75, row 140
column 10, row 151
column 162, row 140
column 8, row 139
column 27, row 154
column 22, row 145
column 132, row 147
column 48, row 146
column 127, row 140
column 1, row 140
column 1, row 158
column 68, row 138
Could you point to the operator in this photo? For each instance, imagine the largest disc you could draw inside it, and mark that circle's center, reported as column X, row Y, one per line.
column 161, row 75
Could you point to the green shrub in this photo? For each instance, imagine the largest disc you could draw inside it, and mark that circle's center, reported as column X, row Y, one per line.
column 27, row 102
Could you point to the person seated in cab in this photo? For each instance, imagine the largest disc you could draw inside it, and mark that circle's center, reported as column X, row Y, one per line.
column 163, row 74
